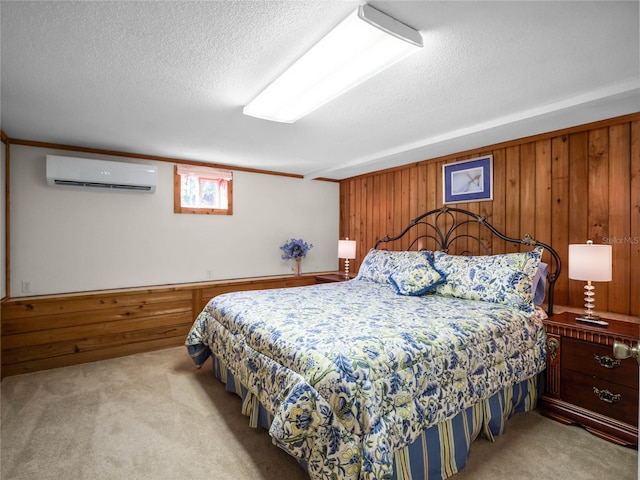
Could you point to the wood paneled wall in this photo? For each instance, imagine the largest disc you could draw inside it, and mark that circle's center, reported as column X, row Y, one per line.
column 561, row 187
column 52, row 331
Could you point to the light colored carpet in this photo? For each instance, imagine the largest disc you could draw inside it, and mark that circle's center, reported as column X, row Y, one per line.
column 154, row 416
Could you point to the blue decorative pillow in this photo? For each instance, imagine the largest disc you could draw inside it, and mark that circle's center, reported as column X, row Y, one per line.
column 416, row 277
column 504, row 278
column 378, row 265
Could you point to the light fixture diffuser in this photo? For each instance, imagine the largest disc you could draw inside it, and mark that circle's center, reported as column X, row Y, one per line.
column 362, row 45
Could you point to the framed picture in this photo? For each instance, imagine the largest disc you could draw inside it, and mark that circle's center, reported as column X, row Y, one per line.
column 468, row 181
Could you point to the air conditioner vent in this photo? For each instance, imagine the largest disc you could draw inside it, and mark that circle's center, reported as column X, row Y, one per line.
column 70, row 183
column 100, row 174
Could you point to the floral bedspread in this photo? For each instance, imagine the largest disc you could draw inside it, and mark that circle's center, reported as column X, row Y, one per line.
column 352, row 371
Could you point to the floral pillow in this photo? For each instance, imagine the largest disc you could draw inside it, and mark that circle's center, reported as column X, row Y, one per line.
column 416, row 277
column 378, row 265
column 504, row 278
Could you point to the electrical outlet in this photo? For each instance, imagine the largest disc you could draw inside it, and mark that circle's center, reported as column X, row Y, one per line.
column 26, row 286
column 209, row 274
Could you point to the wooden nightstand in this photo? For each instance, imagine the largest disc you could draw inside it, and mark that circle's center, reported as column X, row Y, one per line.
column 332, row 277
column 585, row 384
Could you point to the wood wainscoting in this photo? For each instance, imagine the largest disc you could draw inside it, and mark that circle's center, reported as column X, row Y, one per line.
column 44, row 332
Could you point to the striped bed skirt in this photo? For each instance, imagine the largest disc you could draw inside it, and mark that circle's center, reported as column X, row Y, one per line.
column 441, row 450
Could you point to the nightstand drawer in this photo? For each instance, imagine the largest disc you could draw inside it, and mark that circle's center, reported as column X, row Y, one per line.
column 610, row 399
column 573, row 371
column 598, row 361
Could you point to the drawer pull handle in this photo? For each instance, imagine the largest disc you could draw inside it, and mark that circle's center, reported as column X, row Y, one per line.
column 606, row 395
column 606, row 361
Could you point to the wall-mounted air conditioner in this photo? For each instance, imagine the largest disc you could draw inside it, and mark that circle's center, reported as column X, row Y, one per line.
column 101, row 174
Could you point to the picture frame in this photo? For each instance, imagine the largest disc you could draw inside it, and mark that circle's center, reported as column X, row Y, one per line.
column 468, row 180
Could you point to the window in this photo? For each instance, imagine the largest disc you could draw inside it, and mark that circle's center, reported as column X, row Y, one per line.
column 199, row 189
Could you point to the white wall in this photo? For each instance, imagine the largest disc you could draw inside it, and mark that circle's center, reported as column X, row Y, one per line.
column 65, row 240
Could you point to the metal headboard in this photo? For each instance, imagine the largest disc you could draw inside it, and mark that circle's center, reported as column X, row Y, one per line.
column 444, row 238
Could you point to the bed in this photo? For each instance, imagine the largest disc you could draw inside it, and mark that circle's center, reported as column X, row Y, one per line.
column 393, row 374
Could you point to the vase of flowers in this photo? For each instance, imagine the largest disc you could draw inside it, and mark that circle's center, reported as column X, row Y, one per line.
column 296, row 249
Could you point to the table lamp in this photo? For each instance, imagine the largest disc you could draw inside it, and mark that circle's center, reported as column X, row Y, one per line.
column 590, row 263
column 346, row 250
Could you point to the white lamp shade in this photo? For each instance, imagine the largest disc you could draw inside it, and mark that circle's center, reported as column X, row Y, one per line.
column 589, row 262
column 346, row 249
column 364, row 44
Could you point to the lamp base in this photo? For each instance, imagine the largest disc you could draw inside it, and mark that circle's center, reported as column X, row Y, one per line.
column 346, row 269
column 594, row 319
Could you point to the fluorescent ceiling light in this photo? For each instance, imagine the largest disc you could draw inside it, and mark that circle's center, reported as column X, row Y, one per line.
column 362, row 45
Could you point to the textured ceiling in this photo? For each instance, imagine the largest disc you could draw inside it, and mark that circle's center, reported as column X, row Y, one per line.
column 171, row 78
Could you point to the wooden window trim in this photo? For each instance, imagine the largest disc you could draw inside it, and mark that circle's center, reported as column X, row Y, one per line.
column 178, row 208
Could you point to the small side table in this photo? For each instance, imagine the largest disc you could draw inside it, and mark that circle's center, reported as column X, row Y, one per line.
column 585, row 384
column 333, row 277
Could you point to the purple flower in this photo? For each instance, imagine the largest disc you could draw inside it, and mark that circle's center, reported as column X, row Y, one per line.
column 295, row 248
